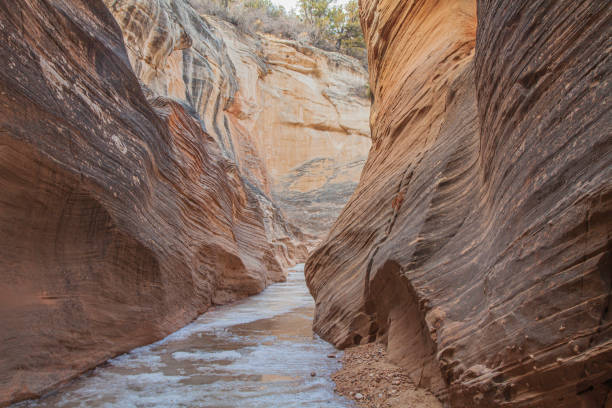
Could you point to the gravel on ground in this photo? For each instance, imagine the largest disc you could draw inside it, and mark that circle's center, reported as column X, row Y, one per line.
column 372, row 381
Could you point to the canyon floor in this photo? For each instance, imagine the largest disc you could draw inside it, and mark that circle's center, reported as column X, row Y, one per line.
column 259, row 352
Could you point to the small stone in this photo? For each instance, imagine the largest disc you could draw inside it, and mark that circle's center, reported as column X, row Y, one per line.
column 562, row 327
column 313, row 374
column 396, row 382
column 358, row 396
column 331, row 356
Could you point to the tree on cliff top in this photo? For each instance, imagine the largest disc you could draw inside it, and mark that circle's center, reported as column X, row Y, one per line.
column 350, row 38
column 328, row 26
column 335, row 25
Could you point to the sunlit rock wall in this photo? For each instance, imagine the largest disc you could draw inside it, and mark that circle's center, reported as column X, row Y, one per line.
column 294, row 118
column 477, row 244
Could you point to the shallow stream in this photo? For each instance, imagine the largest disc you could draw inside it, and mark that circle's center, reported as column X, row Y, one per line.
column 258, row 352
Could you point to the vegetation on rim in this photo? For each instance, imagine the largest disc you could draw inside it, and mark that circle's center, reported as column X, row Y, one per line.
column 321, row 23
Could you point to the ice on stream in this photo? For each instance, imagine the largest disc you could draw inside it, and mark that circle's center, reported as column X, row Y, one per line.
column 258, row 352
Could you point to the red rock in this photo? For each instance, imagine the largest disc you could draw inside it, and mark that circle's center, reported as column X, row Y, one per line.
column 483, row 216
column 120, row 219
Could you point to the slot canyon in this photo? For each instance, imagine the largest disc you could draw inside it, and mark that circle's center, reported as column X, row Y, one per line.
column 200, row 212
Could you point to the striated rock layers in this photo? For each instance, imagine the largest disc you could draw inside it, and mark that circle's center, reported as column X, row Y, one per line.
column 477, row 244
column 121, row 218
column 294, row 118
column 141, row 185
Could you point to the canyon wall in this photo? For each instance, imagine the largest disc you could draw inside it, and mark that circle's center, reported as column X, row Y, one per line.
column 293, row 117
column 477, row 244
column 140, row 185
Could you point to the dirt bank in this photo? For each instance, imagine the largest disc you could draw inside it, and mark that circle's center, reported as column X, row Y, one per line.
column 369, row 379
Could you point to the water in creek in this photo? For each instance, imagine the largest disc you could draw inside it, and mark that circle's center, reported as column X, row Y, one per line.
column 258, row 352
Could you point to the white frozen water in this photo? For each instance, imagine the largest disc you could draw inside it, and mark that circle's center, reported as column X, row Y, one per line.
column 256, row 353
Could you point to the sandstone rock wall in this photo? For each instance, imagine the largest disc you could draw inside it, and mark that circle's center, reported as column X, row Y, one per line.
column 477, row 244
column 121, row 218
column 293, row 117
column 130, row 203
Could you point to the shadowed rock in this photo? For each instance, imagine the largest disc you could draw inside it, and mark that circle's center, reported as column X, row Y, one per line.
column 477, row 243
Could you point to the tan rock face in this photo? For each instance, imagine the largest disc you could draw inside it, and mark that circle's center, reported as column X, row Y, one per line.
column 294, row 118
column 477, row 244
column 121, row 220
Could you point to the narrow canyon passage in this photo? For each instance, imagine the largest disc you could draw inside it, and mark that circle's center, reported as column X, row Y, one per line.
column 258, row 352
column 440, row 172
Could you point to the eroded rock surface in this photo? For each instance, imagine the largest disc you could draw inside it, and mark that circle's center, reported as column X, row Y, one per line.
column 121, row 218
column 477, row 244
column 142, row 185
column 294, row 118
